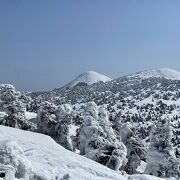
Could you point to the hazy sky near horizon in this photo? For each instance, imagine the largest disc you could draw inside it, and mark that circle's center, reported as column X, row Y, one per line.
column 44, row 44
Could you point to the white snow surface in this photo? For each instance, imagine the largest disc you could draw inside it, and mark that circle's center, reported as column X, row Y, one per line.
column 89, row 77
column 73, row 129
column 161, row 73
column 30, row 115
column 51, row 161
column 2, row 114
column 141, row 168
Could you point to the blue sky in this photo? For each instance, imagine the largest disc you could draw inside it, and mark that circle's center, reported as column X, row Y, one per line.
column 44, row 44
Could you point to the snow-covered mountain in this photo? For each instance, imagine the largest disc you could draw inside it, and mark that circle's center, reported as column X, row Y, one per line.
column 88, row 78
column 87, row 119
column 159, row 73
column 141, row 98
column 31, row 156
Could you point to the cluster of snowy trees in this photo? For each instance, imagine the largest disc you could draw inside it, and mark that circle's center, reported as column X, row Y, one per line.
column 95, row 138
column 118, row 148
column 129, row 99
column 114, row 140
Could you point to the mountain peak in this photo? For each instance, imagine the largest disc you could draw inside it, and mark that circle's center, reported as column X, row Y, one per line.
column 160, row 73
column 88, row 77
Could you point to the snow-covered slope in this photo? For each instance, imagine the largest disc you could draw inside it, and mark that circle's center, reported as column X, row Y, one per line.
column 51, row 161
column 160, row 73
column 89, row 77
column 47, row 160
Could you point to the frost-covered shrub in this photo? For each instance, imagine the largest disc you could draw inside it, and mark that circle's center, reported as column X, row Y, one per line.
column 13, row 161
column 161, row 159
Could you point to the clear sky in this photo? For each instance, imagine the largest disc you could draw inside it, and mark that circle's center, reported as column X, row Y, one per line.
column 44, row 44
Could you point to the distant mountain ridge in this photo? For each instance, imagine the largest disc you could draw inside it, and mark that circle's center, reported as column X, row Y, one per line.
column 159, row 73
column 141, row 98
column 91, row 77
column 137, row 101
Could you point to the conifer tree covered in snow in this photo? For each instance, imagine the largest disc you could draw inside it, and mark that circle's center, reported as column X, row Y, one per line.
column 8, row 94
column 64, row 116
column 135, row 149
column 54, row 121
column 161, row 159
column 97, row 139
column 28, row 101
column 46, row 118
column 15, row 109
column 105, row 124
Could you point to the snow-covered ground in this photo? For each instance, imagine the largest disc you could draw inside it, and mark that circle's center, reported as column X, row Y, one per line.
column 142, row 167
column 73, row 129
column 30, row 115
column 50, row 161
column 2, row 114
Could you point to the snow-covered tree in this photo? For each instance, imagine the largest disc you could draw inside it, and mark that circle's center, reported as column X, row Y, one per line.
column 97, row 139
column 16, row 116
column 46, row 118
column 55, row 121
column 91, row 109
column 91, row 136
column 105, row 124
column 8, row 94
column 161, row 159
column 64, row 117
column 28, row 101
column 15, row 109
column 135, row 149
